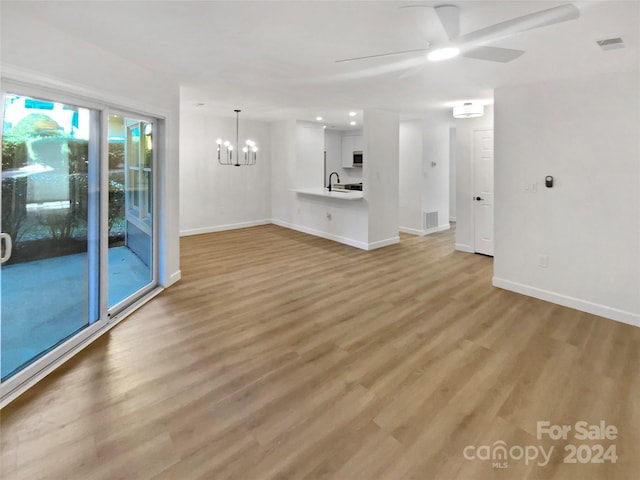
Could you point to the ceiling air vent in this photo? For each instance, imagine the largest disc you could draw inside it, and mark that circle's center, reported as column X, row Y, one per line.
column 611, row 43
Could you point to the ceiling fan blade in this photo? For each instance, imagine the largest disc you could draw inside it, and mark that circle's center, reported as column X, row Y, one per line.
column 521, row 24
column 449, row 16
column 382, row 55
column 493, row 54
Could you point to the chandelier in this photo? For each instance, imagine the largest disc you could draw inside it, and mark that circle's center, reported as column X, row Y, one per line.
column 225, row 150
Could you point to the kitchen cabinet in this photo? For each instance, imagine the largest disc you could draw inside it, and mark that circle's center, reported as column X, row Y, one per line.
column 350, row 143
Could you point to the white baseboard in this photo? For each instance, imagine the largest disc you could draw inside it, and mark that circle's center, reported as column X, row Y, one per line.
column 337, row 238
column 463, row 247
column 173, row 278
column 605, row 311
column 383, row 243
column 452, row 219
column 328, row 236
column 221, row 228
column 439, row 228
column 299, row 228
column 411, row 231
column 421, row 233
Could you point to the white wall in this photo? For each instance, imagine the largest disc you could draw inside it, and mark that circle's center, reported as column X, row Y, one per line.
column 464, row 182
column 585, row 134
column 219, row 197
column 309, row 155
column 435, row 190
column 283, row 171
column 35, row 53
column 452, row 174
column 380, row 176
column 410, row 177
column 424, row 187
column 333, row 149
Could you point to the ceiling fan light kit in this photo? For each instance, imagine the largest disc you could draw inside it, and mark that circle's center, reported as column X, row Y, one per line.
column 443, row 53
column 468, row 110
column 476, row 44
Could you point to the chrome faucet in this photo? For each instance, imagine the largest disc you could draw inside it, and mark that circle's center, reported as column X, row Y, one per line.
column 330, row 175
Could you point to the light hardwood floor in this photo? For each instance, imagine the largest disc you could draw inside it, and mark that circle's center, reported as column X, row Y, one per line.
column 285, row 356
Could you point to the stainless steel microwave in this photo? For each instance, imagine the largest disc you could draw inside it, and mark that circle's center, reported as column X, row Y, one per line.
column 357, row 158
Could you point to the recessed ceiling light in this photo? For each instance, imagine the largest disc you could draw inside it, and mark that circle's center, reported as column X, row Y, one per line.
column 352, row 114
column 324, row 126
column 443, row 53
column 319, row 119
column 352, row 123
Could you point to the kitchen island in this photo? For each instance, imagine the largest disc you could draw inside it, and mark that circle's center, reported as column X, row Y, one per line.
column 324, row 192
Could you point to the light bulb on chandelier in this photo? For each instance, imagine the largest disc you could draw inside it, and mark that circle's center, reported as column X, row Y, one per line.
column 225, row 149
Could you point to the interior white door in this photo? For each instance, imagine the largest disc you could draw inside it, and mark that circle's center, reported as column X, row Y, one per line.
column 483, row 191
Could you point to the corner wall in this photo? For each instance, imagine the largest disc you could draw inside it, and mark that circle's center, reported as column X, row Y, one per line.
column 585, row 133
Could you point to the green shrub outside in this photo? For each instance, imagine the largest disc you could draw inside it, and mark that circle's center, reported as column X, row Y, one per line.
column 60, row 225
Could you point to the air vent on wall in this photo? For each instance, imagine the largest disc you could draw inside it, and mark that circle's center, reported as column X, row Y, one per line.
column 611, row 43
column 430, row 220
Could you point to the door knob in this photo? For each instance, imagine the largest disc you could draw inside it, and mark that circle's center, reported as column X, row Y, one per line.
column 477, row 198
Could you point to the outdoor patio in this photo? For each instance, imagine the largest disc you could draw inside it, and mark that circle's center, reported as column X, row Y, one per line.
column 46, row 301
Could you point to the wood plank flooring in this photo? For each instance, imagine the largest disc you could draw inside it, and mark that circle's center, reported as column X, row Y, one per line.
column 285, row 356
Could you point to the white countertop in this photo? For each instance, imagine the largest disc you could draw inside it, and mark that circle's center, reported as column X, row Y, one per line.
column 323, row 192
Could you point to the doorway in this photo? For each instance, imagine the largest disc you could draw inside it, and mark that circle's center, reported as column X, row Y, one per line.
column 483, row 191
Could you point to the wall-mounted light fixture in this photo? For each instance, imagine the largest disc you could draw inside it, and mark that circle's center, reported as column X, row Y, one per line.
column 468, row 110
column 225, row 149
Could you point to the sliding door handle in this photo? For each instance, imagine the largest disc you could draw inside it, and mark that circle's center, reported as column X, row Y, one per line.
column 6, row 239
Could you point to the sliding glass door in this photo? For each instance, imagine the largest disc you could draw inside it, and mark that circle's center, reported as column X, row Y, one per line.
column 49, row 158
column 130, row 207
column 77, row 225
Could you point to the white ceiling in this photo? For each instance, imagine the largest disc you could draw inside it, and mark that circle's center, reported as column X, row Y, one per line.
column 276, row 59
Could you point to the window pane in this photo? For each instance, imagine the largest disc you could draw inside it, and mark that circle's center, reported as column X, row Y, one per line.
column 130, row 191
column 45, row 205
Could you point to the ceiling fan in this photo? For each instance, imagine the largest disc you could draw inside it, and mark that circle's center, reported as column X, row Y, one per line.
column 473, row 45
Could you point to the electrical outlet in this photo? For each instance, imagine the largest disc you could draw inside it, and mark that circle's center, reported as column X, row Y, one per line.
column 329, row 215
column 543, row 260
